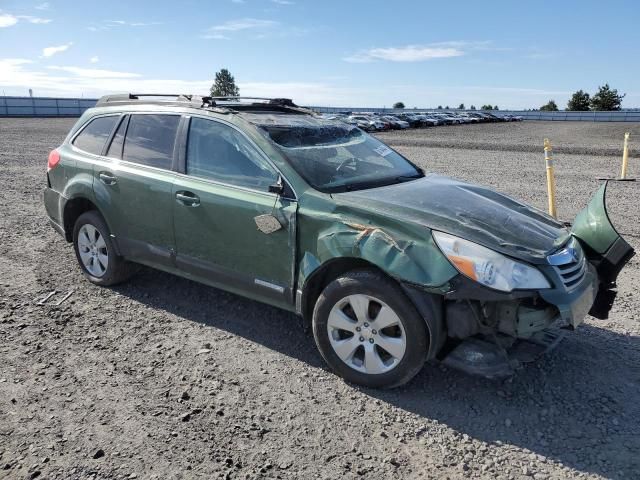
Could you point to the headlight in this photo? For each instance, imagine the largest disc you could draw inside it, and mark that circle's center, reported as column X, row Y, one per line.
column 488, row 267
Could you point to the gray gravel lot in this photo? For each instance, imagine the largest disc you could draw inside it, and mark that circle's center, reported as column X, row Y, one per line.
column 166, row 378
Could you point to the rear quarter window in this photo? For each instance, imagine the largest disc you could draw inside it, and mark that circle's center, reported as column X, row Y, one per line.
column 93, row 137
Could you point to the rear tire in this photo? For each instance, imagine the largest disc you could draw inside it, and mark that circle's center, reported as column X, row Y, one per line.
column 368, row 331
column 96, row 253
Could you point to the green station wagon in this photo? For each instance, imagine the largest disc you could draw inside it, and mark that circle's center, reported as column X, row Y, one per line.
column 390, row 265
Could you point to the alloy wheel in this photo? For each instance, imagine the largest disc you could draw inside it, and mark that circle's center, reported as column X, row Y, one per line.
column 93, row 250
column 366, row 334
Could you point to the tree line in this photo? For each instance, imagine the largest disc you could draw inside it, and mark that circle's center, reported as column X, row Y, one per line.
column 605, row 99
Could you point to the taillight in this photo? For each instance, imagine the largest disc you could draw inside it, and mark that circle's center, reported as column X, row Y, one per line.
column 54, row 159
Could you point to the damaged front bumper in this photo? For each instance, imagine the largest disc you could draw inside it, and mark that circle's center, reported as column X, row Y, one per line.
column 493, row 333
column 492, row 338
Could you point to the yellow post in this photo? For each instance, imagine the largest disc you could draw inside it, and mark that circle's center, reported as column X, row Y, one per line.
column 551, row 181
column 625, row 157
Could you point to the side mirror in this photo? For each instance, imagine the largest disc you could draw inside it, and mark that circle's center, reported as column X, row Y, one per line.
column 277, row 187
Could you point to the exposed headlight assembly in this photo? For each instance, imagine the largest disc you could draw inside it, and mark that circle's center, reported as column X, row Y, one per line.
column 488, row 267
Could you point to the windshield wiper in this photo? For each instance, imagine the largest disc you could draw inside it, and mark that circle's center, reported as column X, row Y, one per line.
column 380, row 182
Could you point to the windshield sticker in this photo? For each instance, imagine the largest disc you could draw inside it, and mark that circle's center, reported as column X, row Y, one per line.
column 382, row 150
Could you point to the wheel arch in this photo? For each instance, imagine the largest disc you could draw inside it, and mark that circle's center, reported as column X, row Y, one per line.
column 75, row 207
column 428, row 305
column 323, row 276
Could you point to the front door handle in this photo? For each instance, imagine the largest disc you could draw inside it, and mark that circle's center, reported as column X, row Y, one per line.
column 189, row 199
column 107, row 178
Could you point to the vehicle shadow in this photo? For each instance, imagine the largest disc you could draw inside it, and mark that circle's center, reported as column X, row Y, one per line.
column 578, row 406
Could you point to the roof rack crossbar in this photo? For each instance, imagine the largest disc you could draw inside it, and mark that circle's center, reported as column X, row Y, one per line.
column 221, row 102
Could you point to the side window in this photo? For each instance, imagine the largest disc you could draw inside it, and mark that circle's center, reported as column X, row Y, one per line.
column 218, row 152
column 150, row 140
column 93, row 137
column 115, row 149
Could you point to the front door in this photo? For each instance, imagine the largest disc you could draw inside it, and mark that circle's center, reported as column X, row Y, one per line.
column 225, row 187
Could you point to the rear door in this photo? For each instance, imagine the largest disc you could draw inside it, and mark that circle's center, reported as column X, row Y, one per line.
column 605, row 249
column 133, row 184
column 224, row 188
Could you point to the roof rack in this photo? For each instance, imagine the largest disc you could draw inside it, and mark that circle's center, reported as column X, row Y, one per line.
column 283, row 102
column 225, row 104
column 159, row 98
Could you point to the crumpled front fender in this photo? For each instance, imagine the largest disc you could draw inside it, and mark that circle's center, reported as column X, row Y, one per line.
column 606, row 250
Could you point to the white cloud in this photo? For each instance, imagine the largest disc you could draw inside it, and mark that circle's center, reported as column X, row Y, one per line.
column 94, row 59
column 215, row 36
column 36, row 20
column 124, row 23
column 94, row 72
column 7, row 20
column 409, row 53
column 242, row 24
column 51, row 51
column 43, row 6
column 109, row 24
column 283, row 2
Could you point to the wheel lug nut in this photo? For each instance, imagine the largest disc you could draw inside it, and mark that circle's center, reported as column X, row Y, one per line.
column 366, row 324
column 362, row 339
column 374, row 331
column 371, row 340
column 358, row 329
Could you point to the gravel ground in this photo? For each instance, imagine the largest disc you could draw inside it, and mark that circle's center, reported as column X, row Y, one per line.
column 166, row 378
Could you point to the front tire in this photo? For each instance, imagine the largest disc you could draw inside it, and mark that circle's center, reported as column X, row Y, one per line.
column 368, row 331
column 96, row 253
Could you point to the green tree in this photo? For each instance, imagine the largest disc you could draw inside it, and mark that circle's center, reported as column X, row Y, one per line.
column 495, row 107
column 606, row 98
column 486, row 107
column 549, row 107
column 398, row 105
column 579, row 102
column 439, row 107
column 447, row 107
column 472, row 107
column 225, row 85
column 461, row 106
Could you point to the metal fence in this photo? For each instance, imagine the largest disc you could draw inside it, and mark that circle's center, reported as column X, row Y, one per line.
column 44, row 106
column 74, row 107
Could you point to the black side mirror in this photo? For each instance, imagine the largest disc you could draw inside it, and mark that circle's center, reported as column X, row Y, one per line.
column 277, row 187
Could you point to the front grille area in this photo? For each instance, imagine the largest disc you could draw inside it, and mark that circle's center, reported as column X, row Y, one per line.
column 570, row 263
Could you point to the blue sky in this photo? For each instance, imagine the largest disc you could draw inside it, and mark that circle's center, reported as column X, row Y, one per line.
column 515, row 54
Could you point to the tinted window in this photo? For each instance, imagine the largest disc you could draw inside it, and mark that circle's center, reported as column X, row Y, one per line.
column 219, row 152
column 115, row 149
column 150, row 140
column 94, row 136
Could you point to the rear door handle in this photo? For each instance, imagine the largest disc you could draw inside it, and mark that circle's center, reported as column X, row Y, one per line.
column 107, row 178
column 189, row 199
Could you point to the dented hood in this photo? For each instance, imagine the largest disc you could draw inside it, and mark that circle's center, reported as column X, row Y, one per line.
column 475, row 213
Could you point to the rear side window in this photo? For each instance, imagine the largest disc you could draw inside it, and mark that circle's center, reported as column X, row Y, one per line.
column 115, row 149
column 93, row 137
column 150, row 140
